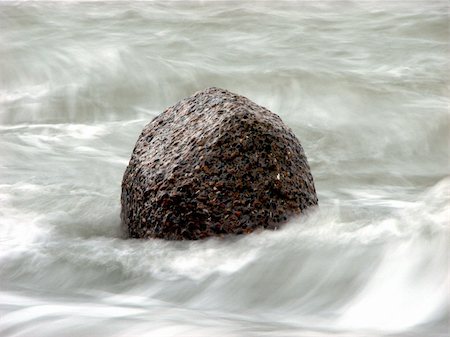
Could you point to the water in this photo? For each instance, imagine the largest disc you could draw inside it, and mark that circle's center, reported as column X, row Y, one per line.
column 364, row 87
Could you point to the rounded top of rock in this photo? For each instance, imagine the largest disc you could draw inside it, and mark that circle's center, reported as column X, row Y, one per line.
column 214, row 163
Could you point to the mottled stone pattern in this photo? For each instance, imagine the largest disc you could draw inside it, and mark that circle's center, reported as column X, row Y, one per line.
column 213, row 164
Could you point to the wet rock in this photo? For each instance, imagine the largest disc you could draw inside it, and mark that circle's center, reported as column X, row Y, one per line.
column 214, row 163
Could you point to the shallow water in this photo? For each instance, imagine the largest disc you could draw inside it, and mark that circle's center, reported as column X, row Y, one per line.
column 364, row 87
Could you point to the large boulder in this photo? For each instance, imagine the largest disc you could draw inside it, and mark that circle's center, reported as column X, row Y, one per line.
column 214, row 163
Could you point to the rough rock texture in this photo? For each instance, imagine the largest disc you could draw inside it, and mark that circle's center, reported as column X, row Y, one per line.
column 214, row 163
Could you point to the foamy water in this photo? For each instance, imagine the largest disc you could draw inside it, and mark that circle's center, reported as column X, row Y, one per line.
column 364, row 87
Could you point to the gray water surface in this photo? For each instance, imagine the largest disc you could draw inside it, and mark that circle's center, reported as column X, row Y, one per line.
column 363, row 85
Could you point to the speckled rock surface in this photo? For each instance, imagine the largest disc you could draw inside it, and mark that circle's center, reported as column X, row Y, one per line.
column 214, row 163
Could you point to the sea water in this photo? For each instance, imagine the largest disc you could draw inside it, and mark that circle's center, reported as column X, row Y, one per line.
column 364, row 86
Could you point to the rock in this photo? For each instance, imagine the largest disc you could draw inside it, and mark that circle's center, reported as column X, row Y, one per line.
column 214, row 163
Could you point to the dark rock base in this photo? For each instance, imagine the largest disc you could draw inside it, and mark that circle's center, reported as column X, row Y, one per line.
column 214, row 164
